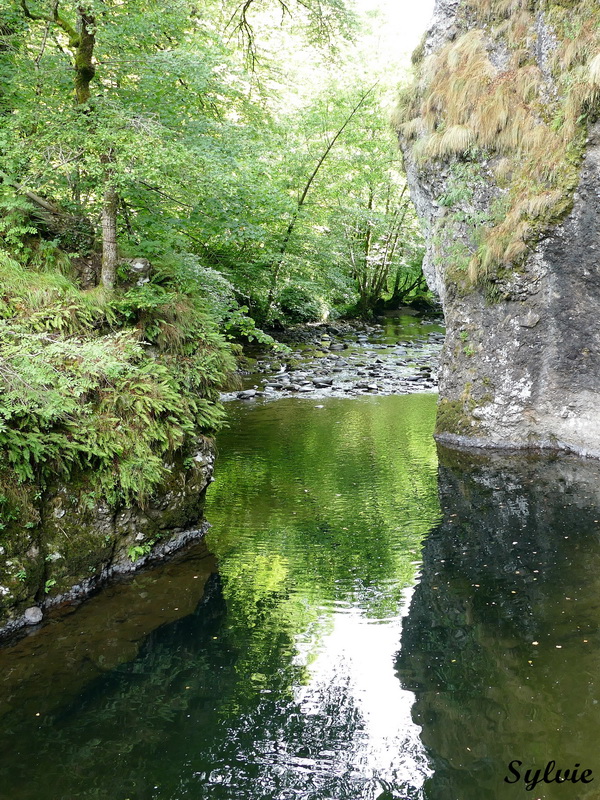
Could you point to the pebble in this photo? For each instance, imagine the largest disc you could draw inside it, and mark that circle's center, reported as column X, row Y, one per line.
column 367, row 367
column 33, row 615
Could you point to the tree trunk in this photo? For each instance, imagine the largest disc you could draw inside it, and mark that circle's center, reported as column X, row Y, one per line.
column 84, row 53
column 109, row 238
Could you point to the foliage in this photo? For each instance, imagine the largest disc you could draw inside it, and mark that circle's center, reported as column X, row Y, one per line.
column 107, row 385
column 145, row 118
column 357, row 229
column 138, row 551
column 298, row 304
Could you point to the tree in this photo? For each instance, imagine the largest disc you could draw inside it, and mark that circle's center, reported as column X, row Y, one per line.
column 278, row 260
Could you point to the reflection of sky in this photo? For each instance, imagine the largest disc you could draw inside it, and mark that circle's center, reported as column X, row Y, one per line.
column 358, row 654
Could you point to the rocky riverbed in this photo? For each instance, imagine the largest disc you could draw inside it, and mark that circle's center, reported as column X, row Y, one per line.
column 396, row 356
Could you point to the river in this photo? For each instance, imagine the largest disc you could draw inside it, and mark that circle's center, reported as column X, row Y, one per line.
column 369, row 619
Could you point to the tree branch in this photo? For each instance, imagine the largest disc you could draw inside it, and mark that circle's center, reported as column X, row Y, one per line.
column 55, row 18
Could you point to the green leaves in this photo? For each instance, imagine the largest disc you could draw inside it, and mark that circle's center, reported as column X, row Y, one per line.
column 78, row 395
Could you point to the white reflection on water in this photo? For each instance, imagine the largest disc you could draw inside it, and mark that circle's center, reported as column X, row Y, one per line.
column 355, row 659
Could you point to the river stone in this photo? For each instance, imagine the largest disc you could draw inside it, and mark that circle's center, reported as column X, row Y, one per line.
column 33, row 615
column 338, row 347
column 246, row 394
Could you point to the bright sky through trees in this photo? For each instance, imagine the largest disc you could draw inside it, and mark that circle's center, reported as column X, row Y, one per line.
column 397, row 26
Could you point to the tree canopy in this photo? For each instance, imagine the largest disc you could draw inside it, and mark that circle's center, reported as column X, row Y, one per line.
column 171, row 176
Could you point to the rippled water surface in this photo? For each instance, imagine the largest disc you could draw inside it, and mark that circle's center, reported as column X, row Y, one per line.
column 369, row 619
column 319, row 515
column 268, row 672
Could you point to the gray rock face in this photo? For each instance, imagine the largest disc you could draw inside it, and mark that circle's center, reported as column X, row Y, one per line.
column 522, row 369
column 78, row 544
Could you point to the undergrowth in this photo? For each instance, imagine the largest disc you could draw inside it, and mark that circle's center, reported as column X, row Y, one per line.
column 111, row 384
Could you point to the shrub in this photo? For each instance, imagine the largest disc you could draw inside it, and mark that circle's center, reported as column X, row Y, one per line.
column 111, row 386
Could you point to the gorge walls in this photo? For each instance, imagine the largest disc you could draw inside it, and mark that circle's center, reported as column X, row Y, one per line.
column 502, row 151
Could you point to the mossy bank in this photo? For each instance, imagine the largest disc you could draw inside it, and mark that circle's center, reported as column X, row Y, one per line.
column 502, row 146
column 72, row 543
column 108, row 402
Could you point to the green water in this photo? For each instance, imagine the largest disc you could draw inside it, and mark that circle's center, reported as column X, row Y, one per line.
column 271, row 676
column 369, row 619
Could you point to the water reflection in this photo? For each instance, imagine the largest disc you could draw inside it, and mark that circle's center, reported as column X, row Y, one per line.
column 408, row 329
column 326, row 551
column 277, row 682
column 385, row 749
column 502, row 642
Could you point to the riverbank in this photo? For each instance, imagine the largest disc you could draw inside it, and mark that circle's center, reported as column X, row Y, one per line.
column 317, row 519
column 397, row 355
column 80, row 546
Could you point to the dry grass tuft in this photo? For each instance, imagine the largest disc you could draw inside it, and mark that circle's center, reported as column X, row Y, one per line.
column 411, row 129
column 594, row 71
column 503, row 169
column 535, row 134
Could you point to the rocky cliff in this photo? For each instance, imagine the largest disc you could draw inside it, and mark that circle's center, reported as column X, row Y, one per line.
column 502, row 150
column 72, row 543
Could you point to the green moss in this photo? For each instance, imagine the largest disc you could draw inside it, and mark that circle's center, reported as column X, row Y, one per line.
column 454, row 416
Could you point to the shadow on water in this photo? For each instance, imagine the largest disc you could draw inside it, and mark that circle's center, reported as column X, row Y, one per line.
column 502, row 642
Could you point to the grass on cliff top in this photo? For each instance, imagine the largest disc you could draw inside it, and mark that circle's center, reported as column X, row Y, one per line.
column 112, row 385
column 484, row 96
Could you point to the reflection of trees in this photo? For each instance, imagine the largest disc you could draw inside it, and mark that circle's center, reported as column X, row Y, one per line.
column 280, row 749
column 181, row 717
column 339, row 498
column 211, row 705
column 515, row 561
column 321, row 518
